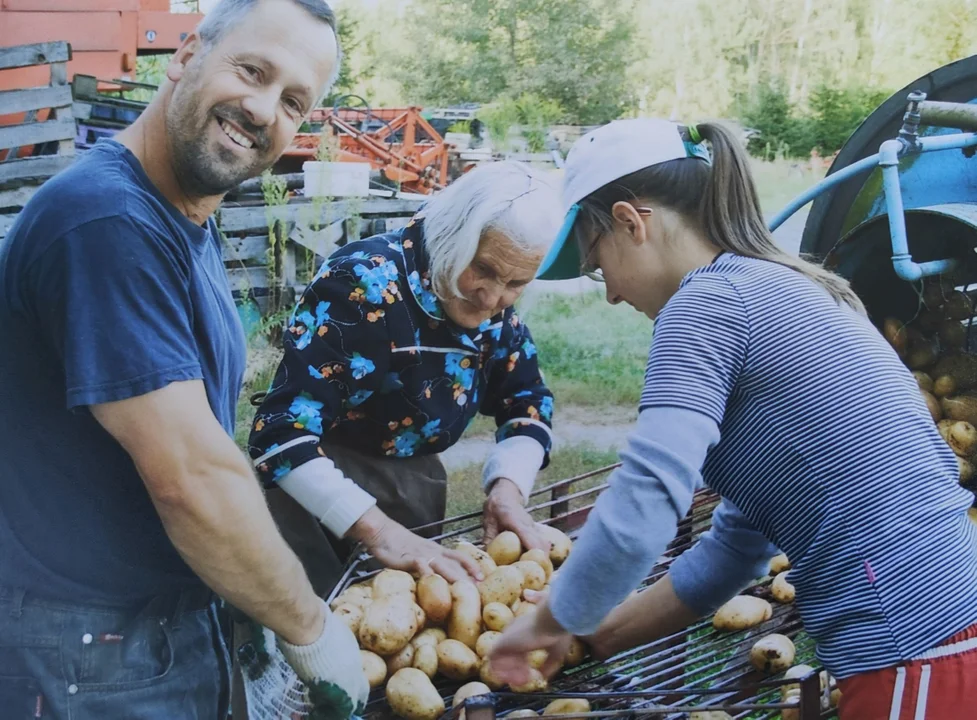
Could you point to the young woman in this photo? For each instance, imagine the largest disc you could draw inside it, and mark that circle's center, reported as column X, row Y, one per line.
column 767, row 383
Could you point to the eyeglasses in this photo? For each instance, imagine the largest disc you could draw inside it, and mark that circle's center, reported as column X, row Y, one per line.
column 587, row 268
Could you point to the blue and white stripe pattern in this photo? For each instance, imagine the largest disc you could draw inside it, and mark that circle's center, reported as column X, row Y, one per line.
column 829, row 450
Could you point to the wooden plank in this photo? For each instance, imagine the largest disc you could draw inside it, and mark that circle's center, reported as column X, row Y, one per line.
column 87, row 31
column 16, row 101
column 34, row 133
column 59, row 78
column 252, row 247
column 243, row 279
column 42, row 166
column 254, row 218
column 68, row 5
column 36, row 54
column 321, row 242
column 17, row 197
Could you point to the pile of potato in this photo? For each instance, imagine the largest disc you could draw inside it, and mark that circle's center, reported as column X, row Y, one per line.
column 933, row 346
column 411, row 630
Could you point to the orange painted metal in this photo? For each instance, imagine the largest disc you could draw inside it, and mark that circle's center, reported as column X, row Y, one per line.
column 417, row 160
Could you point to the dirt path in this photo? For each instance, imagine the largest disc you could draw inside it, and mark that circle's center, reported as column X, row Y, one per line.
column 603, row 429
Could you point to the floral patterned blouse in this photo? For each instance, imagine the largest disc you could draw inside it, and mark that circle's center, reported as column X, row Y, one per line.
column 372, row 362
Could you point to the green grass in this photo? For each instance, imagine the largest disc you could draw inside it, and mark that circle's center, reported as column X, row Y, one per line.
column 780, row 181
column 465, row 484
column 591, row 353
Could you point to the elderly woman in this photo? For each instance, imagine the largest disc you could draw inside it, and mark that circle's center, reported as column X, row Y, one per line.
column 398, row 342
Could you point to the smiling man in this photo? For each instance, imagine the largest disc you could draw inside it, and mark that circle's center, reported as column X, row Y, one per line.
column 125, row 506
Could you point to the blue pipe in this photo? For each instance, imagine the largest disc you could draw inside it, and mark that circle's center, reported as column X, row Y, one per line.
column 829, row 182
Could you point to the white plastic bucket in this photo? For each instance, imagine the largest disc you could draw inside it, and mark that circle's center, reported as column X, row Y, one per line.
column 336, row 179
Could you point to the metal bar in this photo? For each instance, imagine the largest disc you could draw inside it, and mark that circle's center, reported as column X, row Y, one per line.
column 957, row 141
column 948, row 114
column 829, row 182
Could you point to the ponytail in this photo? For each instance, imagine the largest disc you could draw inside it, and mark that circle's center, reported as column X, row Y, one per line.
column 730, row 214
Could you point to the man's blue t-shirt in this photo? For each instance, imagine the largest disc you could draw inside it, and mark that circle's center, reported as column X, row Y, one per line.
column 107, row 292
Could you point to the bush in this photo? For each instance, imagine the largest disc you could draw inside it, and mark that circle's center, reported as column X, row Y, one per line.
column 837, row 113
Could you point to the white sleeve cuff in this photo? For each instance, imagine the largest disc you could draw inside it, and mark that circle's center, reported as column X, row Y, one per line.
column 517, row 458
column 322, row 489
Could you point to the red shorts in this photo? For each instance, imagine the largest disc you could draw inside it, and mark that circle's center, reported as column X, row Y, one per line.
column 940, row 684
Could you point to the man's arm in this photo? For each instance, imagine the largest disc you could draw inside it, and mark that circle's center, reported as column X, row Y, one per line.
column 212, row 507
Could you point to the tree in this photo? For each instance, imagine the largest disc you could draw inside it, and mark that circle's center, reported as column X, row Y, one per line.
column 573, row 52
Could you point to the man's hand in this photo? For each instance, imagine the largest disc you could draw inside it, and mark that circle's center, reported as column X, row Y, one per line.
column 324, row 665
column 504, row 510
column 396, row 547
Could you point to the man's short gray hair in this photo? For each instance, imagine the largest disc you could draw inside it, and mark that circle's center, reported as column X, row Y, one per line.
column 509, row 197
column 228, row 13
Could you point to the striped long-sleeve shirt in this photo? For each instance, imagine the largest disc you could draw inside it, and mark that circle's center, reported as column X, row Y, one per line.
column 799, row 414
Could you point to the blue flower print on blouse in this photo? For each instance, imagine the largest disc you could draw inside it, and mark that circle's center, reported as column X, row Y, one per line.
column 306, row 413
column 361, row 366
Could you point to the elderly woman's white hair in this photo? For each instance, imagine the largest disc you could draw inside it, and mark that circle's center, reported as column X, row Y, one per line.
column 509, row 197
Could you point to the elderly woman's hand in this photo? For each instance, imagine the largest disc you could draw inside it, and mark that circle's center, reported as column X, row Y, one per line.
column 504, row 510
column 394, row 546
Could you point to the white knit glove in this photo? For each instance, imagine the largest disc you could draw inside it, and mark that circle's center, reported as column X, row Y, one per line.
column 332, row 669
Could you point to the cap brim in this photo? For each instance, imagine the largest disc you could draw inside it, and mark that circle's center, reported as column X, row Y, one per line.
column 562, row 262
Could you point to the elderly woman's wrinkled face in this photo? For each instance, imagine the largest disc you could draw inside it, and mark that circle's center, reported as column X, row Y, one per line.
column 493, row 281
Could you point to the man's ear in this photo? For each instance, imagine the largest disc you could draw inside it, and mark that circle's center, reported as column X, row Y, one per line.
column 189, row 49
column 626, row 214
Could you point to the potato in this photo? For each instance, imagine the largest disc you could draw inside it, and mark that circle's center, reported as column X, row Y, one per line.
column 456, row 660
column 374, row 668
column 710, row 715
column 359, row 595
column 411, row 695
column 502, row 586
column 540, row 558
column 779, row 564
column 943, row 386
column 953, row 335
column 966, row 470
column 921, row 356
column 536, row 683
column 426, row 659
column 431, row 636
column 742, row 612
column 465, row 620
column 576, row 654
column 405, row 658
column 537, row 658
column 388, row 625
column 420, row 616
column 957, row 306
column 524, row 608
column 894, row 331
column 961, row 366
column 795, row 673
column 567, row 706
column 393, row 582
column 560, row 544
column 533, row 575
column 934, row 293
column 960, row 407
column 933, row 405
column 434, row 597
column 972, row 514
column 472, row 689
column 835, row 698
column 485, row 642
column 961, row 436
column 782, row 591
column 924, row 381
column 505, row 548
column 484, row 560
column 772, row 654
column 352, row 615
column 524, row 713
column 486, row 675
column 496, row 616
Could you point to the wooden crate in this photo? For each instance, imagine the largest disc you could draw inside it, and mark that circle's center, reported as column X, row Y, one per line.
column 46, row 118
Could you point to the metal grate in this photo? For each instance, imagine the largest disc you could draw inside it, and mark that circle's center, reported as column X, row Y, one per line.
column 698, row 668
